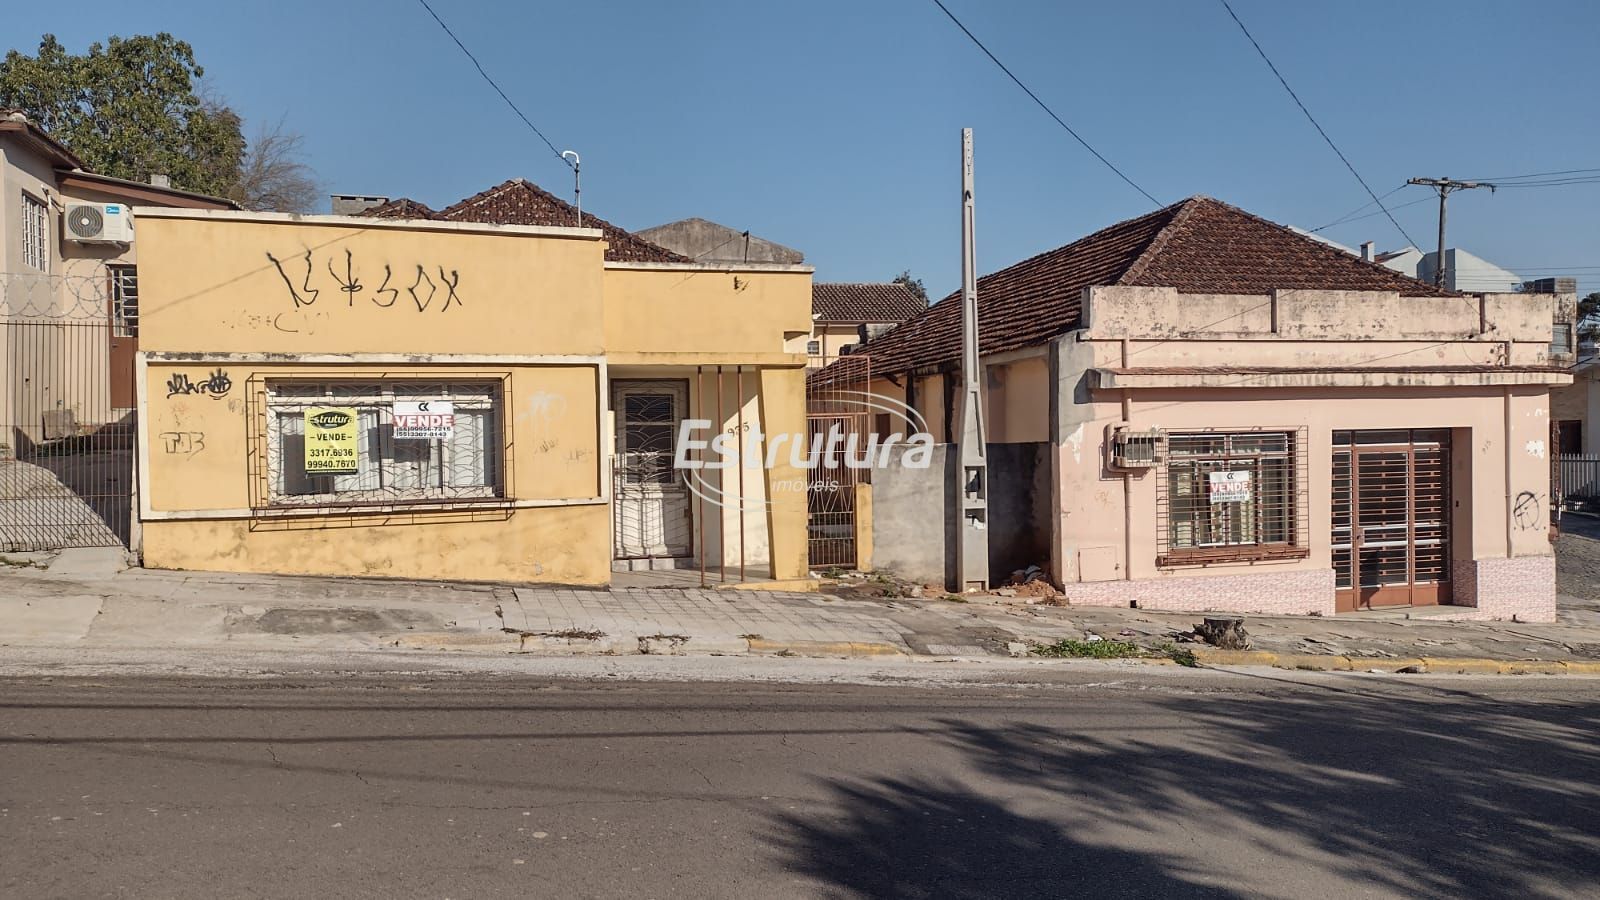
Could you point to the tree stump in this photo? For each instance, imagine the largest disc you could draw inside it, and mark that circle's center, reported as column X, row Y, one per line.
column 1226, row 634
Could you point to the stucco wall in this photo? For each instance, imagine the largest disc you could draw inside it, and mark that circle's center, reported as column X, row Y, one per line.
column 688, row 310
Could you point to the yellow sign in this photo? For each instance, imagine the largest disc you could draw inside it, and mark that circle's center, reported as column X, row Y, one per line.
column 331, row 440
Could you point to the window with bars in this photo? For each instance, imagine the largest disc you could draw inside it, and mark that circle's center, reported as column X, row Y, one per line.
column 124, row 301
column 467, row 464
column 1232, row 496
column 35, row 233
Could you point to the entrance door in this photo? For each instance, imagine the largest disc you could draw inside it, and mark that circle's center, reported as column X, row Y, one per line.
column 650, row 502
column 1391, row 512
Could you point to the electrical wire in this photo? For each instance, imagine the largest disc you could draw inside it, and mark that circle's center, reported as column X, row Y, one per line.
column 525, row 120
column 1035, row 97
column 1371, row 214
column 1313, row 120
column 1534, row 175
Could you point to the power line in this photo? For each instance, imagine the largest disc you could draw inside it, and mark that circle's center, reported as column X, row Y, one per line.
column 1077, row 137
column 1349, row 218
column 525, row 120
column 1536, row 175
column 1313, row 121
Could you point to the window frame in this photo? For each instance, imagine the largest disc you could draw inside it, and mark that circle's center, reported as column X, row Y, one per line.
column 469, row 392
column 119, row 278
column 1290, row 502
column 35, row 232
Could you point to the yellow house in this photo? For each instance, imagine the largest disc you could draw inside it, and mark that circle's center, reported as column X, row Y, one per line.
column 444, row 399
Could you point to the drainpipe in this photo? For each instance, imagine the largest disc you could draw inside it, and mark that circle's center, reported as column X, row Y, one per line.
column 1510, row 513
column 1127, row 481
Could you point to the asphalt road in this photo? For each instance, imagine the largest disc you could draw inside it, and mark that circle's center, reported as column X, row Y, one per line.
column 1102, row 783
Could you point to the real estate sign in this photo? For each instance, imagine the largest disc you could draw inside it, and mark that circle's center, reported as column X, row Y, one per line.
column 1229, row 487
column 332, row 436
column 424, row 419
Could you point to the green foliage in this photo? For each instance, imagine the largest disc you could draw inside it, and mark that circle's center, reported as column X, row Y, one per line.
column 129, row 109
column 1067, row 647
column 914, row 285
column 1589, row 314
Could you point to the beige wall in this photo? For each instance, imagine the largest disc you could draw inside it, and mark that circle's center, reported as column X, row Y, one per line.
column 536, row 309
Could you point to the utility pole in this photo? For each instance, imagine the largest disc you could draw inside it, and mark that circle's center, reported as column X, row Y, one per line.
column 1444, row 186
column 973, row 561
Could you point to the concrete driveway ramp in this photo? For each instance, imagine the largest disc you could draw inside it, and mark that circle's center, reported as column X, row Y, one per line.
column 326, row 620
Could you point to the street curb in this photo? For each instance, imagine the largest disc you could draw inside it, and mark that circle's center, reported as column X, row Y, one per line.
column 790, row 585
column 824, row 648
column 1432, row 665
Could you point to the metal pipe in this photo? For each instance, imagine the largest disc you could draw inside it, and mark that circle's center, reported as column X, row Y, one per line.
column 700, row 547
column 722, row 518
column 577, row 184
column 739, row 377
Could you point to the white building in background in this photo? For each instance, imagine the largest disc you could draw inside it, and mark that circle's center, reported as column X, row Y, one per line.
column 1462, row 270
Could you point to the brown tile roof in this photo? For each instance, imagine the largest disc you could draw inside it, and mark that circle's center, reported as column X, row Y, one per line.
column 1198, row 245
column 872, row 302
column 519, row 202
column 400, row 208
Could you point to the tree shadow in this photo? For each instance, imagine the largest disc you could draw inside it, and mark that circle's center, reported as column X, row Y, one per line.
column 1436, row 793
column 912, row 837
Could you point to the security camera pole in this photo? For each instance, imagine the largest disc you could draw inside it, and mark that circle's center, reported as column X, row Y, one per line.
column 972, row 571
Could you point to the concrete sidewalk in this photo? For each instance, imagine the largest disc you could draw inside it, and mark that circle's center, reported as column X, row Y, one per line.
column 83, row 599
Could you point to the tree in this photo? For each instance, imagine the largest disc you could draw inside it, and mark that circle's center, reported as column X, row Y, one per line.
column 128, row 109
column 136, row 107
column 914, row 285
column 1589, row 315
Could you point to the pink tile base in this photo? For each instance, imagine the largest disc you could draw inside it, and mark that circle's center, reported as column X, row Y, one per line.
column 1284, row 593
column 1522, row 587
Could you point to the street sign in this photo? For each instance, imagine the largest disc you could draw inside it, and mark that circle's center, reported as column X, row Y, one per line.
column 1229, row 487
column 332, row 436
column 424, row 420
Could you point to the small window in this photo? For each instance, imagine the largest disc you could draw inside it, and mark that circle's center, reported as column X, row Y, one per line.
column 1561, row 338
column 1232, row 495
column 35, row 234
column 458, row 459
column 813, row 348
column 124, row 301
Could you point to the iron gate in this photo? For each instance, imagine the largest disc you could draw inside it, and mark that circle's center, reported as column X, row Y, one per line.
column 838, row 424
column 66, row 406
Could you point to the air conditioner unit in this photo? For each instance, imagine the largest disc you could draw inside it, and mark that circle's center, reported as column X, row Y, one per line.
column 98, row 223
column 1138, row 449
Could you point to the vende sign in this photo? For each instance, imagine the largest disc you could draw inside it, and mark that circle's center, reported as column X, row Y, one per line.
column 424, row 420
column 1230, row 487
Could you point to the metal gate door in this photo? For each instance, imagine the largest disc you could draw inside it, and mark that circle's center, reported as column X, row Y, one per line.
column 838, row 423
column 650, row 503
column 67, row 449
column 1391, row 511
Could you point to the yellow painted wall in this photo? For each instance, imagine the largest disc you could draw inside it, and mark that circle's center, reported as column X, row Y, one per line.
column 210, row 286
column 783, row 409
column 709, row 311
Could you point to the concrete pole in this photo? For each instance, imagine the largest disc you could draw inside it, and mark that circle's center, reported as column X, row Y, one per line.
column 972, row 571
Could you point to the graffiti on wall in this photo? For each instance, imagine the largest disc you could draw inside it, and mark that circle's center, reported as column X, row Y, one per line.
column 1528, row 511
column 426, row 286
column 187, row 443
column 216, row 385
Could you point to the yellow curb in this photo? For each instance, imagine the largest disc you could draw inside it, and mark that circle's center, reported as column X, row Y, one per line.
column 1464, row 665
column 1236, row 657
column 825, row 648
column 1534, row 667
column 1582, row 668
column 445, row 640
column 1387, row 663
column 798, row 585
column 1319, row 661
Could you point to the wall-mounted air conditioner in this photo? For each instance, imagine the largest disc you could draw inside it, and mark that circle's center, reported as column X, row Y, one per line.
column 98, row 223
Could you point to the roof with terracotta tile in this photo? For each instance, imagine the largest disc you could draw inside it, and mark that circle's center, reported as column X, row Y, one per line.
column 520, row 202
column 869, row 302
column 400, row 208
column 1198, row 246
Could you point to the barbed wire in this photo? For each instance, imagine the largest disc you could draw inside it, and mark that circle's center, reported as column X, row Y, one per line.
column 78, row 294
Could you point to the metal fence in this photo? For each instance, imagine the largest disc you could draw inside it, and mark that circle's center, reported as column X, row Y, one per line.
column 1577, row 481
column 838, row 424
column 66, row 409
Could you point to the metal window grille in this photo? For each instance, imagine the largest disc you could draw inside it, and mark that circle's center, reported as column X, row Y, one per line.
column 1561, row 338
column 1224, row 496
column 469, row 465
column 813, row 348
column 124, row 300
column 35, row 234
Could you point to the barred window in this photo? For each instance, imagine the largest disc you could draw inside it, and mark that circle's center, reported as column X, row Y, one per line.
column 124, row 301
column 35, row 233
column 461, row 456
column 1232, row 495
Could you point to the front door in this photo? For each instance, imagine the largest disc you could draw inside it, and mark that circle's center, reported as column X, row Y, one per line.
column 650, row 502
column 1391, row 517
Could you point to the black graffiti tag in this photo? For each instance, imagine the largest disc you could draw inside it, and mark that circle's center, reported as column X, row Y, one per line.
column 1526, row 510
column 216, row 385
column 185, row 442
column 424, row 287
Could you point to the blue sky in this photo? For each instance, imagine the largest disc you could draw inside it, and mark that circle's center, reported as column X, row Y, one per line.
column 834, row 127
